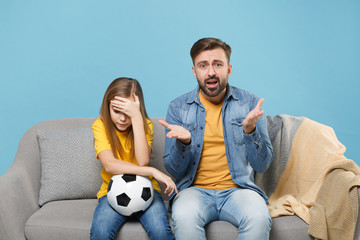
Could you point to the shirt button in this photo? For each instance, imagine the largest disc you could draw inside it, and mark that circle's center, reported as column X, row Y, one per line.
column 201, row 128
column 198, row 145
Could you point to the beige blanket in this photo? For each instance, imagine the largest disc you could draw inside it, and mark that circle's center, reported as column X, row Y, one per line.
column 317, row 184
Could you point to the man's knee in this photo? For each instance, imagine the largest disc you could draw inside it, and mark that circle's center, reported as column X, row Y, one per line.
column 187, row 209
column 182, row 214
column 260, row 218
column 246, row 209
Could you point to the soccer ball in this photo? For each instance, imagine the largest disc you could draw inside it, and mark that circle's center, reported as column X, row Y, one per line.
column 129, row 194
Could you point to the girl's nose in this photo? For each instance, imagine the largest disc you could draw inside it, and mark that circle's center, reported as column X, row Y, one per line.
column 122, row 117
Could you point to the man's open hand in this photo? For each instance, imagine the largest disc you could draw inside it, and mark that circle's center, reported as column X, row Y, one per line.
column 177, row 132
column 252, row 117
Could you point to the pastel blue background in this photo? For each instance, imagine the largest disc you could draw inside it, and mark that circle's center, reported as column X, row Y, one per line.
column 58, row 57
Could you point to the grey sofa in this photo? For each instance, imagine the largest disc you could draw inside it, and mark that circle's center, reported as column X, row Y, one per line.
column 68, row 215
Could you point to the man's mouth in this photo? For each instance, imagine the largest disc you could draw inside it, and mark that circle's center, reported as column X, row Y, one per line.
column 212, row 83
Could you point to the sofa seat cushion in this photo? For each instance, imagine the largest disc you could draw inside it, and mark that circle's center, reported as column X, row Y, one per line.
column 283, row 228
column 289, row 227
column 71, row 219
column 67, row 219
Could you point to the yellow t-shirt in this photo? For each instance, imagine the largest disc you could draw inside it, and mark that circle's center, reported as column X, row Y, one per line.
column 213, row 170
column 102, row 143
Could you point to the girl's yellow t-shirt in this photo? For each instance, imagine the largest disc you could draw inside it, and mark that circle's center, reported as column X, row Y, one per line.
column 102, row 143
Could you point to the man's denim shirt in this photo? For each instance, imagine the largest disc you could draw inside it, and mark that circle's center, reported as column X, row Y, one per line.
column 245, row 153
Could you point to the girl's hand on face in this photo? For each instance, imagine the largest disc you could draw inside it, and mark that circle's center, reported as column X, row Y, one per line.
column 127, row 106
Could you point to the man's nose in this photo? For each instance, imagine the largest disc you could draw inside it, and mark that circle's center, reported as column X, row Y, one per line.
column 211, row 71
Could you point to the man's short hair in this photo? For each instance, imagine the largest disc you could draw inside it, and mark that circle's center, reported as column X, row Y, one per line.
column 209, row 44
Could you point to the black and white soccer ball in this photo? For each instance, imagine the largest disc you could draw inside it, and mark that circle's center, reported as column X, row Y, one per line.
column 129, row 194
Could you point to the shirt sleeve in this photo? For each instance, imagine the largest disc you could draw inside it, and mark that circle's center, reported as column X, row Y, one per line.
column 101, row 142
column 149, row 133
column 258, row 146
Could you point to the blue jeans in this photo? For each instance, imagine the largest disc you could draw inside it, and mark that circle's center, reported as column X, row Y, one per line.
column 195, row 207
column 107, row 222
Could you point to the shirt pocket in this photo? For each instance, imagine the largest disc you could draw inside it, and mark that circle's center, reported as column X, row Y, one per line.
column 238, row 131
column 190, row 127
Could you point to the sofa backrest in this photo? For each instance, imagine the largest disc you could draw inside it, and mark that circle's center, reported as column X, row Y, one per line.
column 29, row 153
column 158, row 150
column 28, row 158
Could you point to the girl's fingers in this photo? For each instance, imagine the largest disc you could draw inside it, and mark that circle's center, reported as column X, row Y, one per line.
column 136, row 98
column 121, row 99
column 117, row 104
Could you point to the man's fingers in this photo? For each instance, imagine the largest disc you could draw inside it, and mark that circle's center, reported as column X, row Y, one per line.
column 165, row 124
column 259, row 103
column 169, row 135
column 256, row 115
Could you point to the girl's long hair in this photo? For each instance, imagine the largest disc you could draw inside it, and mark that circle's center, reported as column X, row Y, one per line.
column 122, row 87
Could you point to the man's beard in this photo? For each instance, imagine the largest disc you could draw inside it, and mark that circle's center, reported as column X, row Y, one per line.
column 220, row 87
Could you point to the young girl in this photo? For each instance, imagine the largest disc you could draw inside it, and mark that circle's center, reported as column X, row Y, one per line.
column 123, row 139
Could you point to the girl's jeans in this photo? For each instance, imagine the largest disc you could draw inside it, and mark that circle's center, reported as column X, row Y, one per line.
column 107, row 221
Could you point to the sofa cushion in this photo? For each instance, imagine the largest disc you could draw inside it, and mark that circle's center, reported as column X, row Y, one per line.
column 289, row 227
column 69, row 168
column 67, row 219
column 71, row 219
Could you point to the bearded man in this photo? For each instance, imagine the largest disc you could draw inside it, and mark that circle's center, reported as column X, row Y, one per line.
column 217, row 139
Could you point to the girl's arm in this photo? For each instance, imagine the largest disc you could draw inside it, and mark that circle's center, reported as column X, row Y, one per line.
column 132, row 110
column 116, row 166
column 142, row 148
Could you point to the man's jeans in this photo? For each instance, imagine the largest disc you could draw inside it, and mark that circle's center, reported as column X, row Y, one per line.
column 195, row 207
column 107, row 221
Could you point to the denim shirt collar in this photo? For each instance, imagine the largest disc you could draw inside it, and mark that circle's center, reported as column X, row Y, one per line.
column 194, row 95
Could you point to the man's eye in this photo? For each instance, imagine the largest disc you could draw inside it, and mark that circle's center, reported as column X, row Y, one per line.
column 202, row 66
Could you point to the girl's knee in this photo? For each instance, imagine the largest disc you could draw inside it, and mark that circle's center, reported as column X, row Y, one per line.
column 160, row 232
column 97, row 233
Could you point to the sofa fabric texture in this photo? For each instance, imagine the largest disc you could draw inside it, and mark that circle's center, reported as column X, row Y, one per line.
column 69, row 168
column 38, row 207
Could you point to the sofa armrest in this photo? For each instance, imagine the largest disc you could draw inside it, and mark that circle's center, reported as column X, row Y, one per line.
column 19, row 187
column 17, row 204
